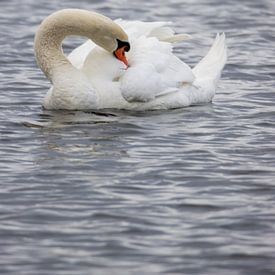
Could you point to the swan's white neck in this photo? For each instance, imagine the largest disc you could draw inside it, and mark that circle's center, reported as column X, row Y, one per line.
column 53, row 30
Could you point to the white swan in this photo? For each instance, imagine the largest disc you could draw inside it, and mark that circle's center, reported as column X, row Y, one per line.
column 129, row 64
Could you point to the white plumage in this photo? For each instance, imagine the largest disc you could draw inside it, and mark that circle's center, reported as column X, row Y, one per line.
column 155, row 78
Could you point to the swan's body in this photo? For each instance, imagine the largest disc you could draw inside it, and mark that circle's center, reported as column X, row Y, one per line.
column 92, row 78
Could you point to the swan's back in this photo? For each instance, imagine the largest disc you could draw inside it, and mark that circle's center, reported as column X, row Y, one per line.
column 156, row 78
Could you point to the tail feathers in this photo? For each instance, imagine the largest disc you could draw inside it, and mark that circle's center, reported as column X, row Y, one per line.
column 210, row 67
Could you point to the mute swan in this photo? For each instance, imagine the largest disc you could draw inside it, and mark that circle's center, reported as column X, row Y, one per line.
column 124, row 65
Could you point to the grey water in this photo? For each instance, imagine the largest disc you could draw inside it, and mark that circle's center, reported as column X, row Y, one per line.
column 187, row 191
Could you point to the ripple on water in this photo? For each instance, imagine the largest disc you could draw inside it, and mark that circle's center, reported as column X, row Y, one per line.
column 187, row 191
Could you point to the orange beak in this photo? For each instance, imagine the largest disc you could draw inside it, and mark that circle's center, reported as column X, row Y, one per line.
column 120, row 54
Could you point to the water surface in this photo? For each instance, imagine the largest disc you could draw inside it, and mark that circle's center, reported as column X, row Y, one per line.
column 188, row 191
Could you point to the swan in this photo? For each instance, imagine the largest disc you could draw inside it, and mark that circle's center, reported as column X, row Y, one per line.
column 124, row 64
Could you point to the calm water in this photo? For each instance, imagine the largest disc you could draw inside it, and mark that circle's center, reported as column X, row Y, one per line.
column 188, row 191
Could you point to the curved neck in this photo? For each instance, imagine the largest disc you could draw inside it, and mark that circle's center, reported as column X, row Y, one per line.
column 54, row 29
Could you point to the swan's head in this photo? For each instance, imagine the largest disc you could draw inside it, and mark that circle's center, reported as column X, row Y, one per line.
column 111, row 37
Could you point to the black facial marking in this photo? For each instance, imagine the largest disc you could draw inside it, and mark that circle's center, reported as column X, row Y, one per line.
column 125, row 44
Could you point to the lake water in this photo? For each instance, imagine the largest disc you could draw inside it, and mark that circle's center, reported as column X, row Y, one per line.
column 188, row 191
